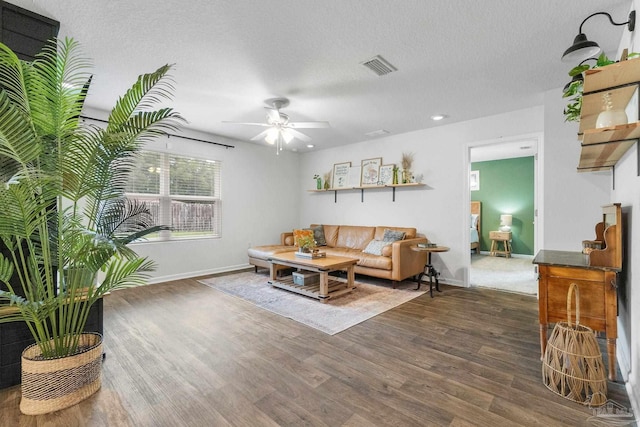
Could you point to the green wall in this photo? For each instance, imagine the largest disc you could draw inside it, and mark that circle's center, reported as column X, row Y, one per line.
column 507, row 187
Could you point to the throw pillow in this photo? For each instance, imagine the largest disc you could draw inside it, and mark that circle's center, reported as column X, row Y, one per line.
column 318, row 235
column 375, row 247
column 392, row 236
column 297, row 234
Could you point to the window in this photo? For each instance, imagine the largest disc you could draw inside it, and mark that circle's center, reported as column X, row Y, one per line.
column 181, row 192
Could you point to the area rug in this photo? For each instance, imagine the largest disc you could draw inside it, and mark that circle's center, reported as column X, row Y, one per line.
column 366, row 301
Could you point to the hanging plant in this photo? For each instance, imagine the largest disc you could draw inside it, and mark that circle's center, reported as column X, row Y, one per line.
column 575, row 88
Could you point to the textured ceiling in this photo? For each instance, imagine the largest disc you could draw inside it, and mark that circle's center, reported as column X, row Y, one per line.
column 461, row 58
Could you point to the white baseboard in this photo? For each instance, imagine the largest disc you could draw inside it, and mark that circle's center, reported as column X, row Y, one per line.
column 190, row 274
column 448, row 281
column 634, row 398
column 622, row 356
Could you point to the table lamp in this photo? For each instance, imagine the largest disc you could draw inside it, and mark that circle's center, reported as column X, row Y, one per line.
column 505, row 222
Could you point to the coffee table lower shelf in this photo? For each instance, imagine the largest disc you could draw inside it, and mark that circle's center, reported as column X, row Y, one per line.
column 336, row 288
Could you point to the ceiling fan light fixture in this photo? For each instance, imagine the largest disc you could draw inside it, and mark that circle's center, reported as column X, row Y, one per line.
column 272, row 135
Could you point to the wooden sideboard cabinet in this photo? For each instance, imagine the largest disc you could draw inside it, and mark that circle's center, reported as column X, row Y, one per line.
column 598, row 296
column 595, row 274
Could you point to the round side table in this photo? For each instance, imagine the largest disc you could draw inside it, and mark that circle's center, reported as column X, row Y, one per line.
column 429, row 269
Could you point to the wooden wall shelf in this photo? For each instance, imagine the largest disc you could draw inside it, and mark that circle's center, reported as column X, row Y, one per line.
column 602, row 148
column 368, row 187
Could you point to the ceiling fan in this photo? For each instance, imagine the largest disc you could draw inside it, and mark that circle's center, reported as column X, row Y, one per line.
column 279, row 128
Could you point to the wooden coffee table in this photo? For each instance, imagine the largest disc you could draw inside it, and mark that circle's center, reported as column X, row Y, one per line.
column 328, row 287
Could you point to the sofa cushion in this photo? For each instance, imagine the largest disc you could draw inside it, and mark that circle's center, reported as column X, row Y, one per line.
column 364, row 260
column 331, row 234
column 354, row 237
column 375, row 261
column 375, row 247
column 266, row 251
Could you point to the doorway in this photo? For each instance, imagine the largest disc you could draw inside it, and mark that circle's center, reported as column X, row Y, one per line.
column 505, row 177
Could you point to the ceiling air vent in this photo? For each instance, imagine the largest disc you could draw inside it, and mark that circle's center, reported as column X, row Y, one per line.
column 379, row 65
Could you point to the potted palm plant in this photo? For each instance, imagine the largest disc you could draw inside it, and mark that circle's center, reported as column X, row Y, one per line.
column 64, row 220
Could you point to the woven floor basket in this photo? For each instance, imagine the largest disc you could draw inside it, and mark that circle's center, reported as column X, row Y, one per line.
column 49, row 385
column 572, row 365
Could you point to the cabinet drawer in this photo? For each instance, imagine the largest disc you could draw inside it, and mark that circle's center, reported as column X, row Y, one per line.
column 572, row 273
column 500, row 235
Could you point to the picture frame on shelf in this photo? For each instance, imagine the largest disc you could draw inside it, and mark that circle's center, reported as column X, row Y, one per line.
column 386, row 174
column 370, row 171
column 340, row 178
column 474, row 180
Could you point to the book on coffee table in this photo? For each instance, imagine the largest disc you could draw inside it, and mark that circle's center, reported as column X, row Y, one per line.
column 311, row 255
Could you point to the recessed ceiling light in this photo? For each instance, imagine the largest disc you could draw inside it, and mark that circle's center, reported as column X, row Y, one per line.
column 310, row 145
column 437, row 117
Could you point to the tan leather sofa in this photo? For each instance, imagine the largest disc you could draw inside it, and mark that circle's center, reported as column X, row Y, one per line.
column 397, row 262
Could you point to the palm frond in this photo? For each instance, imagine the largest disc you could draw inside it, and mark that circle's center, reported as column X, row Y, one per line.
column 123, row 273
column 18, row 142
column 57, row 87
column 12, row 79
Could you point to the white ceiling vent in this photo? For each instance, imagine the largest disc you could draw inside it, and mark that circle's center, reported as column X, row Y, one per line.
column 379, row 65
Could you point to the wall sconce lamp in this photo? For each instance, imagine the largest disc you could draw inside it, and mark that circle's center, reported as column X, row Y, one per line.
column 505, row 222
column 583, row 48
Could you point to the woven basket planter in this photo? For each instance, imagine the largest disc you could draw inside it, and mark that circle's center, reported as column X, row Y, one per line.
column 50, row 385
column 572, row 365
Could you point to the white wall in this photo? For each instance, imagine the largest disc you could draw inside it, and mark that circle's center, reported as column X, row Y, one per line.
column 572, row 201
column 627, row 192
column 436, row 210
column 259, row 199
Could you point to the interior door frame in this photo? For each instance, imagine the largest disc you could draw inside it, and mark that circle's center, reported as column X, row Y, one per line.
column 538, row 184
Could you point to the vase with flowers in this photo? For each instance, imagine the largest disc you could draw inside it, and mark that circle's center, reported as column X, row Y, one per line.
column 407, row 162
column 306, row 243
column 318, row 181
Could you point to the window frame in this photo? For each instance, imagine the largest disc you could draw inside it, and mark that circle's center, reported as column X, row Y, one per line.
column 165, row 199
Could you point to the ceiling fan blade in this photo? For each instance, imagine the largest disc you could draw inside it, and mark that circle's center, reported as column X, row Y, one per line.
column 250, row 124
column 261, row 135
column 298, row 135
column 308, row 125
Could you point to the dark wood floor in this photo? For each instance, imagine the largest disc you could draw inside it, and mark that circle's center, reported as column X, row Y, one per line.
column 183, row 354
